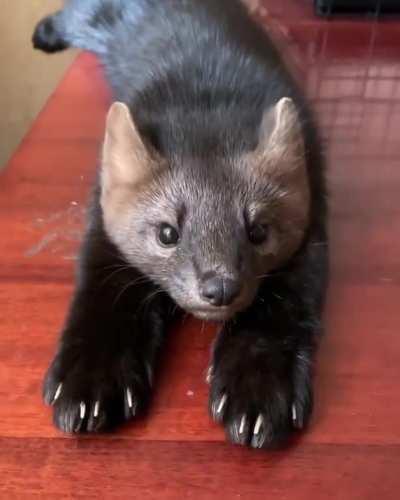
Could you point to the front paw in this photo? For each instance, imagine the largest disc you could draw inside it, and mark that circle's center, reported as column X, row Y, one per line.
column 258, row 393
column 93, row 393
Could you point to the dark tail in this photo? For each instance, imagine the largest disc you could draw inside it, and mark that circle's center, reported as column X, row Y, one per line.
column 84, row 24
column 48, row 37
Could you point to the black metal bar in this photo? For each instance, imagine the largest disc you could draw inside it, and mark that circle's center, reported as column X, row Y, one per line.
column 360, row 7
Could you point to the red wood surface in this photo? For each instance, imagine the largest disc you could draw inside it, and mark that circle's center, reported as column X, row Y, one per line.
column 352, row 450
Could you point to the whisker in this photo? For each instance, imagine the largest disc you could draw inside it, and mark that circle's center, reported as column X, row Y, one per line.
column 107, row 278
column 319, row 244
column 112, row 266
column 175, row 308
column 269, row 275
column 137, row 281
column 261, row 276
column 147, row 300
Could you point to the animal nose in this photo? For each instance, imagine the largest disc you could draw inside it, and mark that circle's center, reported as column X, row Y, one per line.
column 220, row 291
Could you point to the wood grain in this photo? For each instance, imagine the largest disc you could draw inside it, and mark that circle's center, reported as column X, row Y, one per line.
column 352, row 450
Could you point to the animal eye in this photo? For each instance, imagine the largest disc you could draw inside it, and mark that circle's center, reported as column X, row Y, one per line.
column 258, row 234
column 168, row 235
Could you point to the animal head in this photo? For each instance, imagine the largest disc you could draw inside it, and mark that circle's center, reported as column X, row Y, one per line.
column 207, row 229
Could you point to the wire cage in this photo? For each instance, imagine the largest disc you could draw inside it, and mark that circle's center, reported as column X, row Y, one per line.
column 357, row 92
column 350, row 69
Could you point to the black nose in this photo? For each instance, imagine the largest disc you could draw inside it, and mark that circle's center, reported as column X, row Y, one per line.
column 219, row 291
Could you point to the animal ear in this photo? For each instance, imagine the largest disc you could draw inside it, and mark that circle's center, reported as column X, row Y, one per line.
column 280, row 134
column 126, row 161
column 280, row 161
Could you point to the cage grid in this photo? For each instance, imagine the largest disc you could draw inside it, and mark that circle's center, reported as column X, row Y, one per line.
column 356, row 92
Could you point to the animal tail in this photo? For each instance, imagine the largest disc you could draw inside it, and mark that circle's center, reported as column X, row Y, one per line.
column 87, row 25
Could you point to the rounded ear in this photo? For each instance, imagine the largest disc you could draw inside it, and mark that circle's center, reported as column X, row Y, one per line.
column 127, row 165
column 280, row 161
column 280, row 134
column 125, row 159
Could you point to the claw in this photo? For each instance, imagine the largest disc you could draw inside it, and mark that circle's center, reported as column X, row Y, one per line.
column 297, row 418
column 242, row 424
column 258, row 425
column 96, row 409
column 209, row 374
column 82, row 410
column 222, row 404
column 129, row 397
column 57, row 393
column 294, row 413
column 259, row 438
column 258, row 441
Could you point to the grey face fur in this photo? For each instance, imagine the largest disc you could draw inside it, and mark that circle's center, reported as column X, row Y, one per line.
column 213, row 205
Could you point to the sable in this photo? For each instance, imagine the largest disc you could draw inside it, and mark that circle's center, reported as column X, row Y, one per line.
column 211, row 200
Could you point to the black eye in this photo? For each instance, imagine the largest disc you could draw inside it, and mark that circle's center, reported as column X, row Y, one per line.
column 258, row 234
column 168, row 235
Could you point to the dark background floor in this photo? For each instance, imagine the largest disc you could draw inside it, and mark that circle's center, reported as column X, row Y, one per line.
column 351, row 71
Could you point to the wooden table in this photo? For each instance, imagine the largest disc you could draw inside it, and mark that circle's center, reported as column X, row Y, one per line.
column 352, row 451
